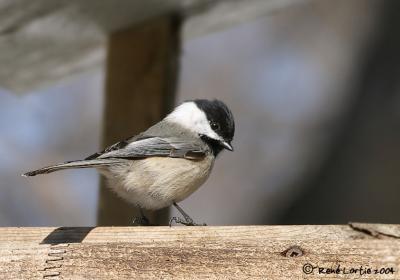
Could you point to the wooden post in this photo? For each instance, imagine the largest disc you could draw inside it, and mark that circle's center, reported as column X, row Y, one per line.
column 141, row 74
column 234, row 252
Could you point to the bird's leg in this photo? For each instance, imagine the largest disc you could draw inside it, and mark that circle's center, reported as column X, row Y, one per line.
column 187, row 221
column 142, row 220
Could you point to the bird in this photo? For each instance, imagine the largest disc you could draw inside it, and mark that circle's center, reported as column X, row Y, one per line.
column 166, row 163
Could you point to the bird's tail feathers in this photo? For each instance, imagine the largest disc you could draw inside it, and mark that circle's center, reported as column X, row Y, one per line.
column 72, row 164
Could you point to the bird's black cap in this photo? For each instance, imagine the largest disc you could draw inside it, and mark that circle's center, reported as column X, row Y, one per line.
column 219, row 116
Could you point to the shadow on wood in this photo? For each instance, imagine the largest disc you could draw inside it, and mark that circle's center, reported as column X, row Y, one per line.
column 67, row 235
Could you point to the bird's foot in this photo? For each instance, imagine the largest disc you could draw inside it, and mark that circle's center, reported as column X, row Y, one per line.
column 141, row 221
column 186, row 222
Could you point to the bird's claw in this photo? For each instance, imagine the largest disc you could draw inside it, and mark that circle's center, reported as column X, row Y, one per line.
column 141, row 221
column 186, row 222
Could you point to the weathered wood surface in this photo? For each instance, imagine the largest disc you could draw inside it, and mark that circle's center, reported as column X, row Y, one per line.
column 234, row 252
column 141, row 73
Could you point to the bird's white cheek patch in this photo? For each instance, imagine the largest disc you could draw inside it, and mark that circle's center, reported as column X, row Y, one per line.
column 191, row 117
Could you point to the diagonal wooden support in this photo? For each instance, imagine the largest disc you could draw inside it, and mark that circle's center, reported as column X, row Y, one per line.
column 141, row 74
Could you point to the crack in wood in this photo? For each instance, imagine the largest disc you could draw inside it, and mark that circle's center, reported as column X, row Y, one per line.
column 372, row 231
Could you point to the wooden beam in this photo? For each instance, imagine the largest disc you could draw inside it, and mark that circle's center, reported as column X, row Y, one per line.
column 141, row 74
column 234, row 252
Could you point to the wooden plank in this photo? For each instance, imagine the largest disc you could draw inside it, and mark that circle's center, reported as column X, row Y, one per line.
column 234, row 252
column 141, row 72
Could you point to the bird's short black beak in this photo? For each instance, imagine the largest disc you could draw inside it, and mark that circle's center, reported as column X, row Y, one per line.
column 227, row 145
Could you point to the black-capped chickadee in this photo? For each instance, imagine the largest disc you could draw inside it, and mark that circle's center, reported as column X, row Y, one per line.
column 167, row 162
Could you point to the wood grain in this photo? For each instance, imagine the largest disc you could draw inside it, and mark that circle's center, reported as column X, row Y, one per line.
column 234, row 252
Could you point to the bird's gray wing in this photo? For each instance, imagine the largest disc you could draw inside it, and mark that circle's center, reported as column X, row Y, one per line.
column 156, row 146
column 134, row 148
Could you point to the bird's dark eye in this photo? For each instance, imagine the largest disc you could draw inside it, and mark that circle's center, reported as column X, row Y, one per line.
column 214, row 125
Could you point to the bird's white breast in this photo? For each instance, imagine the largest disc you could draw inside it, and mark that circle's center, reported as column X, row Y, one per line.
column 157, row 182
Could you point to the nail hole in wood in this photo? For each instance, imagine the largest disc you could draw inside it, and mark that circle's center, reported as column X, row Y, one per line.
column 293, row 252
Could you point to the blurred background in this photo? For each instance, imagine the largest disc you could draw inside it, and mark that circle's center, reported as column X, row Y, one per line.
column 314, row 87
